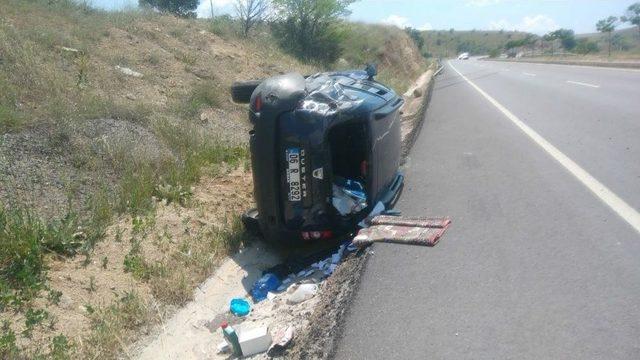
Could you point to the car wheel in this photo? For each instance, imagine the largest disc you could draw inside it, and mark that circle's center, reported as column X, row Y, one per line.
column 241, row 90
column 250, row 222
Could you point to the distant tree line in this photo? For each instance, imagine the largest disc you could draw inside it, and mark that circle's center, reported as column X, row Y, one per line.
column 567, row 41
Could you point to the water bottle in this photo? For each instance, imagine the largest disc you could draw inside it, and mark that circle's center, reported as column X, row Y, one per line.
column 232, row 338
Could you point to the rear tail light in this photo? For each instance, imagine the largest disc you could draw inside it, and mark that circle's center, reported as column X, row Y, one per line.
column 317, row 235
column 257, row 103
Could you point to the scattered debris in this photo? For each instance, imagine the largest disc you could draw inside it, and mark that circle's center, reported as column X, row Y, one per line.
column 68, row 49
column 129, row 72
column 254, row 341
column 349, row 196
column 403, row 230
column 223, row 348
column 302, row 293
column 240, row 307
column 231, row 338
column 282, row 339
column 268, row 282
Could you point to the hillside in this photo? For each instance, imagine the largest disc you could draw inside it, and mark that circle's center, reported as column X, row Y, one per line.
column 446, row 43
column 622, row 41
column 124, row 164
column 399, row 62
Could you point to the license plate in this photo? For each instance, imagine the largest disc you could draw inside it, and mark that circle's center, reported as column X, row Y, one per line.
column 293, row 174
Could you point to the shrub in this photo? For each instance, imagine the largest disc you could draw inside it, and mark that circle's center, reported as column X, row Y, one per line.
column 24, row 240
column 311, row 30
column 223, row 26
column 586, row 46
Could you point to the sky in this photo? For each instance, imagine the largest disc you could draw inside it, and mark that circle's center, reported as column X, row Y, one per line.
column 536, row 16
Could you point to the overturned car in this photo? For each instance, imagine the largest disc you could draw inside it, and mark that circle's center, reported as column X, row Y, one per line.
column 325, row 150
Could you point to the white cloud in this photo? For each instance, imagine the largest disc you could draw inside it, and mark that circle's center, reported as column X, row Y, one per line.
column 404, row 22
column 396, row 20
column 204, row 9
column 482, row 3
column 537, row 24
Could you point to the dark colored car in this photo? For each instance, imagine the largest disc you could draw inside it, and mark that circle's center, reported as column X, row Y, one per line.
column 313, row 138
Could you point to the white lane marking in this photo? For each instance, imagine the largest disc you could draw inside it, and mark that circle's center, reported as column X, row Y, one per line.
column 574, row 66
column 619, row 206
column 583, row 84
column 528, row 74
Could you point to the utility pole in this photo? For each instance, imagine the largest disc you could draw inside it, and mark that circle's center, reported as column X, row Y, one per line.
column 211, row 4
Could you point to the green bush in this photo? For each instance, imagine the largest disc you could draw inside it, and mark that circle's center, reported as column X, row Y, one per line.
column 586, row 46
column 206, row 94
column 223, row 26
column 24, row 240
column 312, row 30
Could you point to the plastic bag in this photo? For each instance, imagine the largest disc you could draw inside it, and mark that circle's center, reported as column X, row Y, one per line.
column 349, row 196
column 268, row 282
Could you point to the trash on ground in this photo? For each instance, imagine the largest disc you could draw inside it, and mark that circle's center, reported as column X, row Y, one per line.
column 349, row 196
column 231, row 338
column 254, row 341
column 304, row 292
column 223, row 348
column 268, row 282
column 240, row 307
column 403, row 230
column 281, row 340
column 127, row 71
column 271, row 296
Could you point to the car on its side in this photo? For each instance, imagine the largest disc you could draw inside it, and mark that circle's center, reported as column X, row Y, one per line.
column 463, row 56
column 312, row 136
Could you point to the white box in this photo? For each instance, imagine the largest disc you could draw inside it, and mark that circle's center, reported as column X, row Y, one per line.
column 254, row 341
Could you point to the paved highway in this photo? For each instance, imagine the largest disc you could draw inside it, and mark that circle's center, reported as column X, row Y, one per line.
column 539, row 168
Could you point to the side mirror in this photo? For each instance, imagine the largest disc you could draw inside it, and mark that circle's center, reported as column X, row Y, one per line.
column 372, row 70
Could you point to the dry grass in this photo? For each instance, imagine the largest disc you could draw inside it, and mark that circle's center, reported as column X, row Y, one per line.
column 399, row 61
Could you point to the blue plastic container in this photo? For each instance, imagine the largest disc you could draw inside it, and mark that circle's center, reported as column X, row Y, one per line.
column 240, row 307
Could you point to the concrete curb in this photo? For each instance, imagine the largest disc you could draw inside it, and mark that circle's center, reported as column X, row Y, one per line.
column 417, row 119
column 621, row 65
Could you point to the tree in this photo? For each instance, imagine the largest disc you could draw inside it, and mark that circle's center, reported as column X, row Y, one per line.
column 183, row 8
column 606, row 26
column 250, row 12
column 311, row 29
column 567, row 38
column 550, row 37
column 632, row 15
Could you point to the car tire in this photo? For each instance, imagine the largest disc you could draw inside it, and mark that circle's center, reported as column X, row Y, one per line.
column 251, row 223
column 241, row 91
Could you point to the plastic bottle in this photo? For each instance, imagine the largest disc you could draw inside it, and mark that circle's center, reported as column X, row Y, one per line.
column 268, row 282
column 232, row 338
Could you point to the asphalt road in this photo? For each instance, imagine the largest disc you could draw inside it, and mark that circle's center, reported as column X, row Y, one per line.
column 541, row 261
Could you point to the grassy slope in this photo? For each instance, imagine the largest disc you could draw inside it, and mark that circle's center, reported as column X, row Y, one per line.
column 399, row 61
column 444, row 43
column 88, row 149
column 628, row 41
